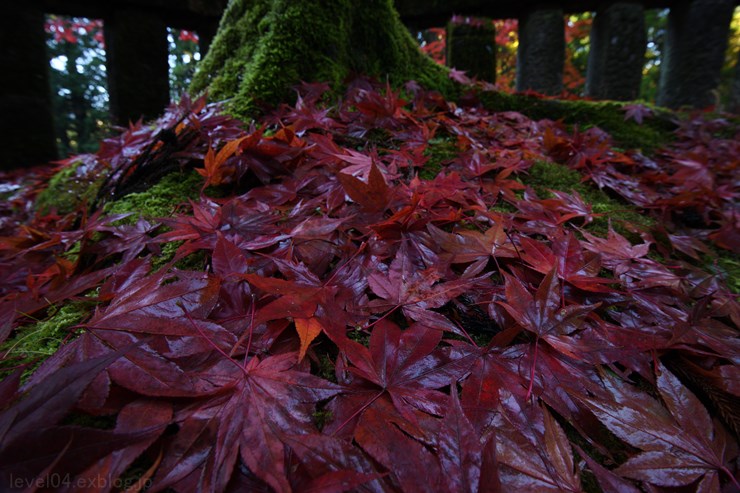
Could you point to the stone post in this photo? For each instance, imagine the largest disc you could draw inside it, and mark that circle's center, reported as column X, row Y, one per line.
column 541, row 53
column 734, row 103
column 472, row 47
column 26, row 122
column 617, row 54
column 696, row 39
column 138, row 74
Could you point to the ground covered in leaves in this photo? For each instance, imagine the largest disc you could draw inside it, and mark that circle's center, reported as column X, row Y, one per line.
column 373, row 294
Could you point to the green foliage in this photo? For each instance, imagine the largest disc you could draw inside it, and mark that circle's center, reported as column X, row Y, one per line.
column 730, row 68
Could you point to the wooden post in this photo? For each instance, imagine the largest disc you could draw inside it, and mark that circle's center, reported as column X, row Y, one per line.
column 26, row 122
column 541, row 53
column 617, row 54
column 696, row 39
column 138, row 74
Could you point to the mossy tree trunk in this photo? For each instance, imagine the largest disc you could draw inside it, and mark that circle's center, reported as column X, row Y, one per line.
column 265, row 47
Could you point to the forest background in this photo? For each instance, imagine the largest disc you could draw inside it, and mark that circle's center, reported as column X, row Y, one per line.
column 79, row 89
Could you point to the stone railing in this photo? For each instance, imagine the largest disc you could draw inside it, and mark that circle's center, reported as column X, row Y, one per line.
column 696, row 39
column 136, row 50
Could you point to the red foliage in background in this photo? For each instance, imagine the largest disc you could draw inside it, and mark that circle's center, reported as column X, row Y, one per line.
column 361, row 323
column 65, row 29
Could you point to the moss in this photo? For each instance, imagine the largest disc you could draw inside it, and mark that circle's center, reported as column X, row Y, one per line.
column 168, row 253
column 194, row 262
column 326, row 368
column 73, row 253
column 439, row 151
column 159, row 200
column 726, row 265
column 360, row 336
column 321, row 417
column 33, row 343
column 545, row 176
column 69, row 189
column 265, row 47
column 652, row 134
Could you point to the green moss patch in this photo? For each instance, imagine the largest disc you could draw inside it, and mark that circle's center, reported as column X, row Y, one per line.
column 33, row 343
column 726, row 265
column 653, row 133
column 161, row 199
column 70, row 188
column 440, row 151
column 265, row 47
column 545, row 176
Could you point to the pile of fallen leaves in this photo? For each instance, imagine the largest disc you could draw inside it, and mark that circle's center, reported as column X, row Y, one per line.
column 365, row 316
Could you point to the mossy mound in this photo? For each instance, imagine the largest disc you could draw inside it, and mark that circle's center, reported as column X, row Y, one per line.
column 160, row 200
column 265, row 47
column 73, row 185
column 35, row 342
column 651, row 134
column 545, row 176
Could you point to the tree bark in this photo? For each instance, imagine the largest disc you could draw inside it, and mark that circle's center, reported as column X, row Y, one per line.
column 265, row 47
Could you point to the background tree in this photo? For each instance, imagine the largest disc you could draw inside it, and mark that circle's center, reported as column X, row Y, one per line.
column 183, row 58
column 78, row 78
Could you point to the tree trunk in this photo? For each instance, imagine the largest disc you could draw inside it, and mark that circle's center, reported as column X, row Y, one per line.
column 265, row 47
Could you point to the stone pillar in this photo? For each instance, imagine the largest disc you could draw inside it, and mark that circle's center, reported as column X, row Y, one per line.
column 617, row 54
column 541, row 54
column 26, row 124
column 472, row 48
column 138, row 73
column 696, row 39
column 734, row 103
